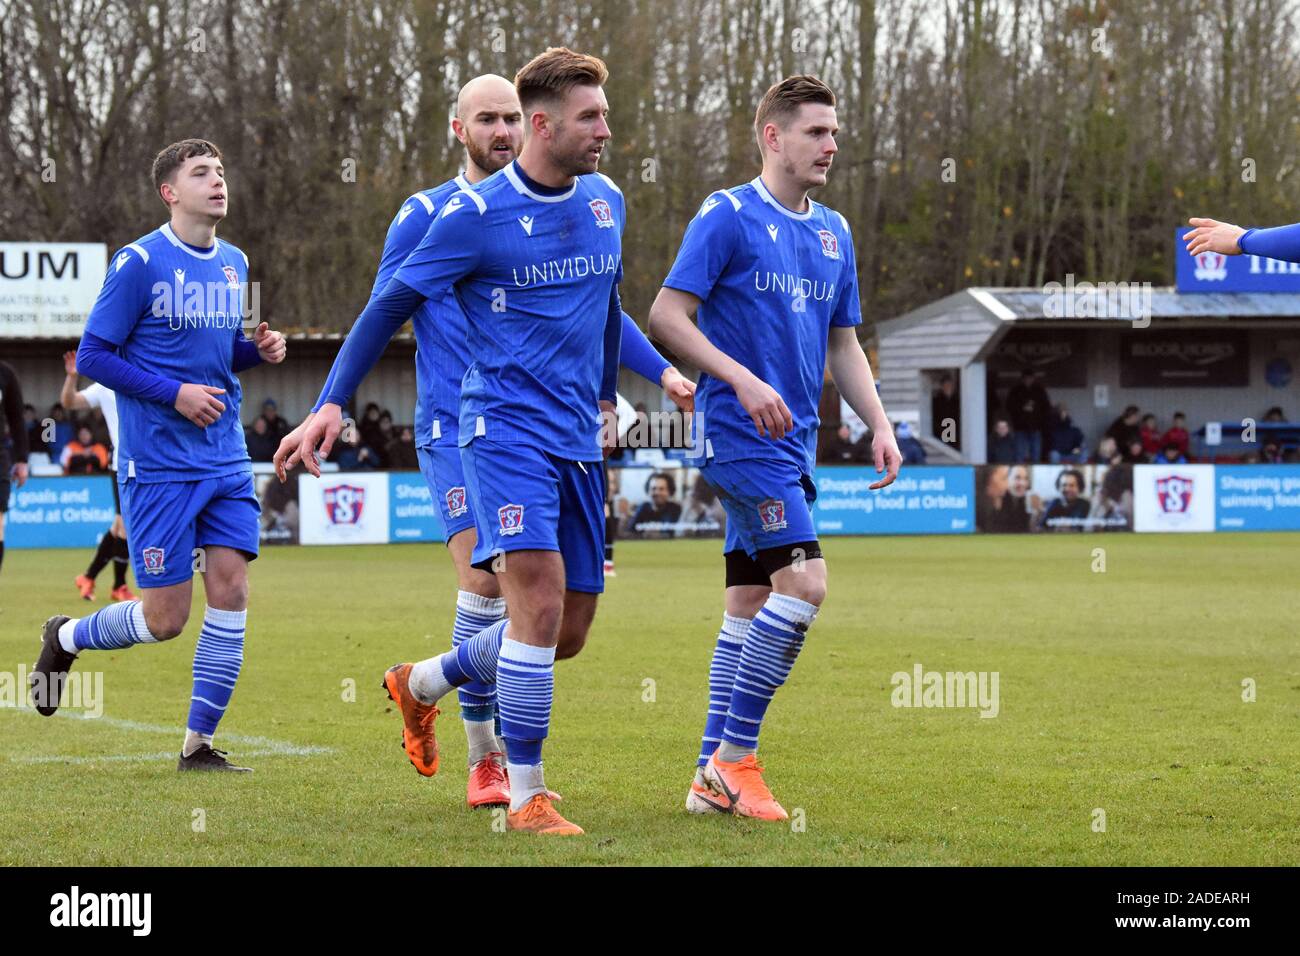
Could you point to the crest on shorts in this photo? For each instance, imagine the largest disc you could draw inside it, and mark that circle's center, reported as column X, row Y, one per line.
column 511, row 518
column 772, row 513
column 154, row 560
column 600, row 209
column 232, row 277
column 456, row 502
column 343, row 503
column 830, row 244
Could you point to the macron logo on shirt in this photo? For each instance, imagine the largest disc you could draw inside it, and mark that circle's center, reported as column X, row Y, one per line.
column 452, row 205
column 527, row 223
column 406, row 211
column 709, row 204
column 122, row 260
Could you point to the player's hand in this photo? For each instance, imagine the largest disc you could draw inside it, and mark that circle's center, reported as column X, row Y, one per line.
column 1210, row 235
column 765, row 407
column 884, row 449
column 608, row 427
column 322, row 429
column 288, row 455
column 679, row 388
column 199, row 403
column 70, row 363
column 271, row 346
column 20, row 473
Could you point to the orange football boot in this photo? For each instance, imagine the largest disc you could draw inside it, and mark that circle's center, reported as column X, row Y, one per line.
column 741, row 785
column 86, row 586
column 488, row 785
column 123, row 594
column 700, row 799
column 418, row 739
column 539, row 816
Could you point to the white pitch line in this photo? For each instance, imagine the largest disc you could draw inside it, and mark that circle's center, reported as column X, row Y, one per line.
column 263, row 746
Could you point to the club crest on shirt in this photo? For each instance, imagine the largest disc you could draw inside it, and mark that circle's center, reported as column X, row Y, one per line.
column 511, row 518
column 344, row 503
column 600, row 209
column 456, row 502
column 232, row 277
column 830, row 244
column 772, row 513
column 154, row 559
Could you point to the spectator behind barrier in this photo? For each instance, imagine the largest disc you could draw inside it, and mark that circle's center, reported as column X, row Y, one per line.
column 400, row 454
column 1177, row 434
column 1029, row 408
column 1125, row 429
column 261, row 443
column 83, row 455
column 1171, row 454
column 1150, row 436
column 1065, row 442
column 1002, row 444
column 841, row 449
column 909, row 446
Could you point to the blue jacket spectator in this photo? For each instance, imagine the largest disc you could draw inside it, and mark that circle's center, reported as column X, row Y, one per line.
column 912, row 451
column 1065, row 444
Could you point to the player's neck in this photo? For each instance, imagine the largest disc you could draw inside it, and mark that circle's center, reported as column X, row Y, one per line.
column 785, row 191
column 199, row 233
column 541, row 170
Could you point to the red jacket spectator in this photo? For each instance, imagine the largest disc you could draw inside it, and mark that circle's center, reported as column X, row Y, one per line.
column 1177, row 434
column 1150, row 436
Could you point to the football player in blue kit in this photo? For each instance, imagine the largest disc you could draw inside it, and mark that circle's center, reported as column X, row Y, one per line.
column 770, row 275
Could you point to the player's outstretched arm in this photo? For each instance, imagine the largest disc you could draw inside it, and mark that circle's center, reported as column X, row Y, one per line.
column 670, row 323
column 851, row 373
column 1210, row 235
column 69, row 396
column 374, row 329
column 640, row 356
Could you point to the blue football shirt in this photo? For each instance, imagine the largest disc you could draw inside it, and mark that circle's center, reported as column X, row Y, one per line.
column 536, row 276
column 771, row 282
column 442, row 353
column 175, row 310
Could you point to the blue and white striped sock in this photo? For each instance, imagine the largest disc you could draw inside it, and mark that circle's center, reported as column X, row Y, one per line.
column 218, row 657
column 109, row 629
column 474, row 613
column 772, row 643
column 525, row 687
column 474, row 659
column 722, row 677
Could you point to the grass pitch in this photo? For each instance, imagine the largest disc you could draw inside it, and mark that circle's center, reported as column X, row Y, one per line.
column 1119, row 691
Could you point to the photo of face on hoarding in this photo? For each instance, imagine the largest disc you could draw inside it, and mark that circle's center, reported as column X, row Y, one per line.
column 667, row 502
column 1003, row 504
column 1081, row 498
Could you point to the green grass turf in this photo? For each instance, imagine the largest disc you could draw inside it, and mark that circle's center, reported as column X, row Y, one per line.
column 1119, row 690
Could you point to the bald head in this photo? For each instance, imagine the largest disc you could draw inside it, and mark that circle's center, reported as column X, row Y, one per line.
column 486, row 89
column 489, row 123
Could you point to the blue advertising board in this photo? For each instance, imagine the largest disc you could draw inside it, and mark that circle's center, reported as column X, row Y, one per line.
column 72, row 512
column 1211, row 272
column 413, row 514
column 1257, row 497
column 922, row 500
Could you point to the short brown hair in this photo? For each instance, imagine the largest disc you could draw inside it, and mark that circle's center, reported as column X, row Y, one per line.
column 174, row 156
column 782, row 101
column 550, row 75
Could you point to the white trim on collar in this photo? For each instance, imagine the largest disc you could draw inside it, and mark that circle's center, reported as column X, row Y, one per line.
column 166, row 230
column 524, row 190
column 463, row 183
column 757, row 183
